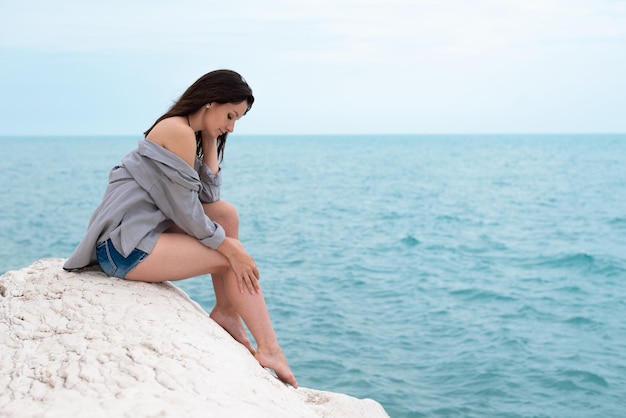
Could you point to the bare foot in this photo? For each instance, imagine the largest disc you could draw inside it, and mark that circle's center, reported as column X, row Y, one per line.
column 232, row 324
column 275, row 360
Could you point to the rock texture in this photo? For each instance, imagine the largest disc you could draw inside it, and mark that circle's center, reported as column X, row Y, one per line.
column 83, row 344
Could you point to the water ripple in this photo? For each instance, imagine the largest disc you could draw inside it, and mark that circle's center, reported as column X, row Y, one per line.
column 480, row 276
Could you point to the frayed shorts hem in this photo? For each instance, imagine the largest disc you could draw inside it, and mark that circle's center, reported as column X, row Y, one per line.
column 115, row 264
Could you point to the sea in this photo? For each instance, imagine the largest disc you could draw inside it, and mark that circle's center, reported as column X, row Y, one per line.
column 440, row 275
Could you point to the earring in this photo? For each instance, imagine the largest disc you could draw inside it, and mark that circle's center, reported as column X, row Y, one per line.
column 208, row 106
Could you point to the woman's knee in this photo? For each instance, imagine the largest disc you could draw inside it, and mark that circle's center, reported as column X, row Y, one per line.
column 225, row 214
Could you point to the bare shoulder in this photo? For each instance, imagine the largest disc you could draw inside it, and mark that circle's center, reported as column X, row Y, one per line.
column 176, row 136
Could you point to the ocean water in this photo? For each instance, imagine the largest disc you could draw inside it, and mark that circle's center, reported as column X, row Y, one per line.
column 461, row 276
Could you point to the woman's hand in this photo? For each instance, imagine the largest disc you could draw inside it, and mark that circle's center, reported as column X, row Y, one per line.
column 242, row 264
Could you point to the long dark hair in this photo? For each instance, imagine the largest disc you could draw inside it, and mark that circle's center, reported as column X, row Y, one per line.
column 220, row 86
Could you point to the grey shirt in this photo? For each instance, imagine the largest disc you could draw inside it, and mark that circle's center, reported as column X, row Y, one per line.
column 149, row 192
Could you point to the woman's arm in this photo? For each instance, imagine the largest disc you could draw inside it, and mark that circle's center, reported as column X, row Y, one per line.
column 209, row 148
column 176, row 138
column 242, row 263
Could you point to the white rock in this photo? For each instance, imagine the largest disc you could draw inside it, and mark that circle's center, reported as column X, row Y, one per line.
column 84, row 344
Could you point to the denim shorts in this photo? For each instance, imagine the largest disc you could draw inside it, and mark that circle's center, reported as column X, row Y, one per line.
column 115, row 264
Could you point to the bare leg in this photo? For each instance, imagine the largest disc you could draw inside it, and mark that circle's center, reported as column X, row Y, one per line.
column 176, row 257
column 269, row 353
column 253, row 310
column 227, row 316
column 179, row 256
column 224, row 313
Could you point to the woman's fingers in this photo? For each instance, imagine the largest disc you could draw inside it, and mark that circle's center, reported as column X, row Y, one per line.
column 253, row 284
column 251, row 287
column 239, row 282
column 248, row 280
column 246, row 270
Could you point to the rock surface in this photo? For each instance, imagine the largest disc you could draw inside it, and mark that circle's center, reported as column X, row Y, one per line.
column 84, row 344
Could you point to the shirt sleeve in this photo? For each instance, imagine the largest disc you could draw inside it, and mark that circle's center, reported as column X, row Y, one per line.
column 180, row 203
column 211, row 182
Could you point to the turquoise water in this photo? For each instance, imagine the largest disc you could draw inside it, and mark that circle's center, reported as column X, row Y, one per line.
column 473, row 276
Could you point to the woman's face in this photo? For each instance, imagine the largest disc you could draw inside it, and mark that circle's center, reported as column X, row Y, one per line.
column 221, row 118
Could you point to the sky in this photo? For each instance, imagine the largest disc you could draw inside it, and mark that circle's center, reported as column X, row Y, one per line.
column 72, row 67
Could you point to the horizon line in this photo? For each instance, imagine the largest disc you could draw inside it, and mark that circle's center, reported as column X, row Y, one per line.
column 55, row 135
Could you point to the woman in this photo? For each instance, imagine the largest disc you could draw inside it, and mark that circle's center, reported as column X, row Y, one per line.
column 161, row 217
